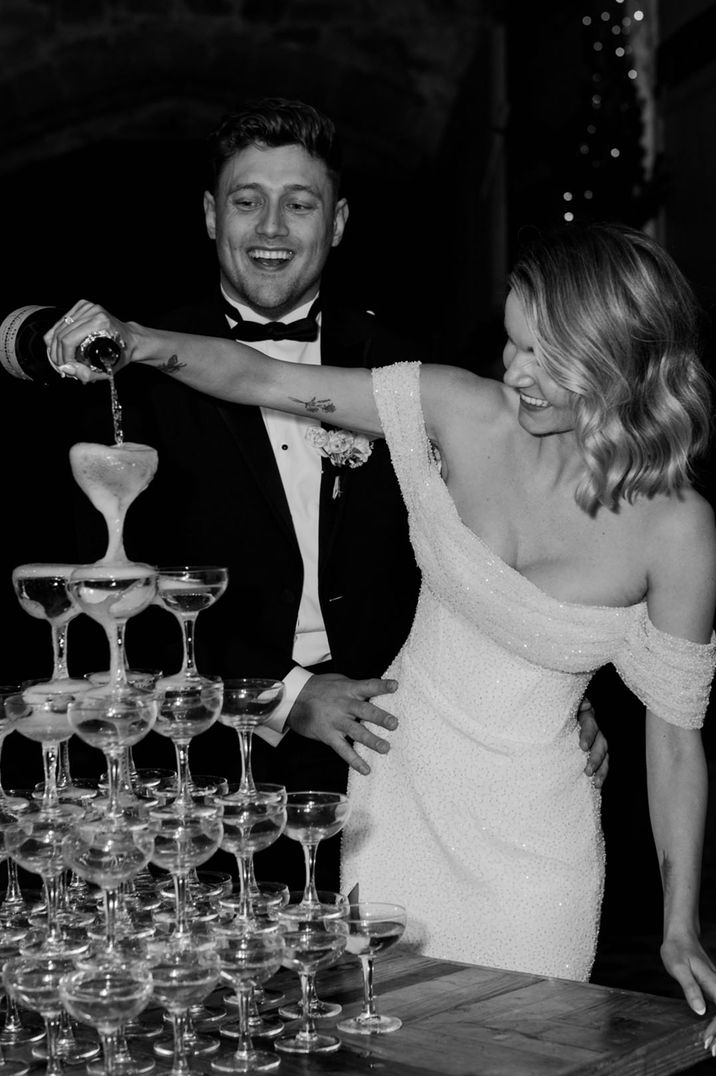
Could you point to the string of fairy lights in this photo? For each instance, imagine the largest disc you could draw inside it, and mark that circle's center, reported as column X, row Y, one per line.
column 607, row 176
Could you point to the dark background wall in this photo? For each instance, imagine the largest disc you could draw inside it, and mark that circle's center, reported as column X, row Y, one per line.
column 464, row 122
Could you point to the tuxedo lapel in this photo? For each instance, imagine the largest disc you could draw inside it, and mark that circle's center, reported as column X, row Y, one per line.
column 342, row 344
column 247, row 429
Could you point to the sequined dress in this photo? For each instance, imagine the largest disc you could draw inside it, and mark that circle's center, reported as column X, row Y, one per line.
column 481, row 819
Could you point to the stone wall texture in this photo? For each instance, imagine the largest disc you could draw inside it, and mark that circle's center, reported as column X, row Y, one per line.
column 72, row 70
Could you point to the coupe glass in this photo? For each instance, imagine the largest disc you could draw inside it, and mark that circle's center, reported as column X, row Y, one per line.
column 9, row 934
column 372, row 928
column 331, row 906
column 248, row 704
column 43, row 593
column 250, row 825
column 111, row 594
column 183, row 976
column 312, row 817
column 185, row 711
column 17, row 1029
column 109, row 855
column 34, row 983
column 250, row 953
column 186, row 591
column 8, row 804
column 266, row 900
column 42, row 590
column 41, row 715
column 113, row 723
column 36, row 841
column 312, row 942
column 106, row 998
column 112, row 476
column 184, row 840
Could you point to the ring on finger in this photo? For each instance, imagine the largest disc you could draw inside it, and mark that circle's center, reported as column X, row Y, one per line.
column 68, row 320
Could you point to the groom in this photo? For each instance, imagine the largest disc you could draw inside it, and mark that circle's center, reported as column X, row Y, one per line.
column 322, row 578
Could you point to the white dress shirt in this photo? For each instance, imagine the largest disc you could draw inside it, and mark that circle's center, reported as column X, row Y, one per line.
column 299, row 465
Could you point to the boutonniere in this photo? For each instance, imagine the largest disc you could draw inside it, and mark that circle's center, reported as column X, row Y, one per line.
column 342, row 447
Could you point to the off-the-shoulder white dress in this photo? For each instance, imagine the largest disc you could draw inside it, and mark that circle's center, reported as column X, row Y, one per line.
column 481, row 819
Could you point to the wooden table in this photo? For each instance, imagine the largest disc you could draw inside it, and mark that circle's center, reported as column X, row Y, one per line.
column 466, row 1020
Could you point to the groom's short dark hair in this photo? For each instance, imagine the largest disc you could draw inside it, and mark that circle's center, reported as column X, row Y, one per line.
column 276, row 121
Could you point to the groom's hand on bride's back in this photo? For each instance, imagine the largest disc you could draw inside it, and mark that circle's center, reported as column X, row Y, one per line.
column 333, row 709
column 593, row 741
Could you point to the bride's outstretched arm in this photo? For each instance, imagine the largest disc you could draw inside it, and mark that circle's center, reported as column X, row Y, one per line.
column 240, row 374
column 223, row 368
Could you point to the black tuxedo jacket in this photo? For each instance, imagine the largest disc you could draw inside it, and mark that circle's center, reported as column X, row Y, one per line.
column 217, row 498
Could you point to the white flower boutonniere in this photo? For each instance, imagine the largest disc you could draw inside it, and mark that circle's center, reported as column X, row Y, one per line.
column 342, row 447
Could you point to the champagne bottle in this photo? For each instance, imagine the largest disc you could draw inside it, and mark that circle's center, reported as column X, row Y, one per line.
column 23, row 352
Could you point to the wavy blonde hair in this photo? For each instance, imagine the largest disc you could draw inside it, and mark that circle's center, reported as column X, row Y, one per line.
column 617, row 324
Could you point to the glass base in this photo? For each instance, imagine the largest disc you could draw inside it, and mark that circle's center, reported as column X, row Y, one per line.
column 369, row 1025
column 99, row 956
column 258, row 1028
column 210, row 886
column 197, row 1046
column 15, row 914
column 199, row 912
column 13, row 1068
column 143, row 1027
column 28, row 1029
column 265, row 999
column 127, row 1063
column 66, row 943
column 74, row 1049
column 202, row 1017
column 246, row 1061
column 300, row 1043
column 320, row 1010
column 12, row 804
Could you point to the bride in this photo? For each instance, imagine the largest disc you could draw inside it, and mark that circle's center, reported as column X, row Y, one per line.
column 556, row 530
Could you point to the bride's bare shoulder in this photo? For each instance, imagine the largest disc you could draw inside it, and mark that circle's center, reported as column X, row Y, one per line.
column 451, row 394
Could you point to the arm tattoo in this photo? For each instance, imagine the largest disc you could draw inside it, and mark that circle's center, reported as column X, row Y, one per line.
column 171, row 366
column 314, row 406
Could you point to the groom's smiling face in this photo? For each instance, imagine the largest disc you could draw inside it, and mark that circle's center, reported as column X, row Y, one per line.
column 274, row 218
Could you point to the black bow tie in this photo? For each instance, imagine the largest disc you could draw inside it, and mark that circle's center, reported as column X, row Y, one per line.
column 249, row 331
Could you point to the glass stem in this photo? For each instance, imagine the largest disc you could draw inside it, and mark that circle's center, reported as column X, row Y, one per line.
column 181, row 928
column 307, row 1032
column 50, row 758
column 2, row 744
column 64, row 777
column 253, row 884
column 109, row 1052
column 113, row 770
column 13, row 893
column 310, row 894
column 244, row 911
column 188, row 626
column 129, row 777
column 244, row 1045
column 181, row 751
column 366, row 963
column 117, row 657
column 180, row 1066
column 13, row 1022
column 247, row 777
column 110, row 919
column 59, row 650
column 52, row 900
column 52, row 1029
